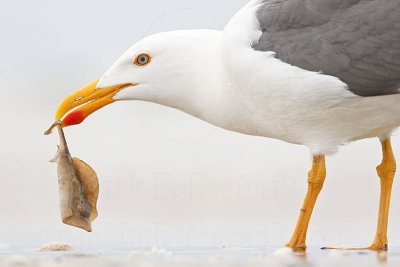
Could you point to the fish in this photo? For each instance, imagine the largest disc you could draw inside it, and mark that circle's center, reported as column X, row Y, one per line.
column 78, row 186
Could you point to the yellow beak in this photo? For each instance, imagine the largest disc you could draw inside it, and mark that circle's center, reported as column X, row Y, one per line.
column 86, row 101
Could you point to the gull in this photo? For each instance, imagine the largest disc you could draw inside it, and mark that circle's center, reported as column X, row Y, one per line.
column 320, row 73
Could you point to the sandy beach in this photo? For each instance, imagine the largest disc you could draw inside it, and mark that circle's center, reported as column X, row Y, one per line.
column 222, row 257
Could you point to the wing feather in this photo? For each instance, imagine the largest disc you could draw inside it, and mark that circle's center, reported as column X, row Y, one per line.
column 357, row 41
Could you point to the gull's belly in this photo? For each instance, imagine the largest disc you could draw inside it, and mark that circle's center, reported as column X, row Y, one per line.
column 321, row 127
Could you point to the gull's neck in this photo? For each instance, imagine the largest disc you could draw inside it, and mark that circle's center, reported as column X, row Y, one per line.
column 208, row 88
column 203, row 90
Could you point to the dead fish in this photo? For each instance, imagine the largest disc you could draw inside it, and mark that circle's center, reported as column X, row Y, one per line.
column 78, row 186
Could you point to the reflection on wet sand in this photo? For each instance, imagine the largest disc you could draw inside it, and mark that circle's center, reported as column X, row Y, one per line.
column 227, row 257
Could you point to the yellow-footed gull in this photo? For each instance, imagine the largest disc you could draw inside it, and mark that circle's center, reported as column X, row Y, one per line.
column 321, row 73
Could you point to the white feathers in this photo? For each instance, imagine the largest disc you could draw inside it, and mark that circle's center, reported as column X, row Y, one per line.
column 218, row 77
column 243, row 29
column 295, row 105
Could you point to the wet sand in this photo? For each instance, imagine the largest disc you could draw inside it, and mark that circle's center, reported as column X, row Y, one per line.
column 222, row 257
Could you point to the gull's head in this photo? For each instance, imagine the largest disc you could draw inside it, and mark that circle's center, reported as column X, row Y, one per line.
column 161, row 68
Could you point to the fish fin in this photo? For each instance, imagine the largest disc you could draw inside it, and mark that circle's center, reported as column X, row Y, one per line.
column 55, row 159
column 90, row 184
column 50, row 130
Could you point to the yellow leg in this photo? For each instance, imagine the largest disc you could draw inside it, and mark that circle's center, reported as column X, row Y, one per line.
column 386, row 171
column 316, row 178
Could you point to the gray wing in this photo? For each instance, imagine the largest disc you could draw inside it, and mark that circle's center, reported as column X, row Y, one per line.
column 357, row 41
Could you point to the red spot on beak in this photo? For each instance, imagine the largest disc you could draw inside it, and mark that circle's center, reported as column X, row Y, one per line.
column 73, row 118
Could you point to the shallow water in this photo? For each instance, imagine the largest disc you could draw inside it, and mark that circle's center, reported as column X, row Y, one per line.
column 204, row 257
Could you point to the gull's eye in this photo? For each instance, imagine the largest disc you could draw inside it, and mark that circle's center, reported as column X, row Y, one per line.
column 142, row 59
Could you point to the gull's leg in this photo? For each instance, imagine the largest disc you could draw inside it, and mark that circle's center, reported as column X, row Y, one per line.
column 316, row 178
column 386, row 171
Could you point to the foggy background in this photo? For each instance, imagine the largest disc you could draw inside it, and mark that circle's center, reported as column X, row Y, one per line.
column 166, row 179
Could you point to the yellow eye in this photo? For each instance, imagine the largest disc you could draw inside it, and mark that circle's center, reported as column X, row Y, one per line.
column 142, row 59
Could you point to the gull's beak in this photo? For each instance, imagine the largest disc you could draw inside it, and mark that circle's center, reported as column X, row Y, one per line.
column 84, row 102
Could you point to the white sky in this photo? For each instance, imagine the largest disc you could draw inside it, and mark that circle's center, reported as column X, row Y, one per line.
column 166, row 179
